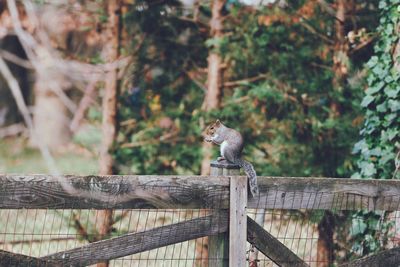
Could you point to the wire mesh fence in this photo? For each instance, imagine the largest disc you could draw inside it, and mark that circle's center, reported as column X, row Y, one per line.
column 39, row 233
column 299, row 231
column 151, row 236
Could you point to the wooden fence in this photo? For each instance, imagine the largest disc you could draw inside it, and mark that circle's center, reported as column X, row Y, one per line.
column 224, row 192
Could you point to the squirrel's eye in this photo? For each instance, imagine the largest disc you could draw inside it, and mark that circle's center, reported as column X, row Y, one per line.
column 212, row 128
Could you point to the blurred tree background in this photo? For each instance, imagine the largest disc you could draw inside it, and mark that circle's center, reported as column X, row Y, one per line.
column 291, row 76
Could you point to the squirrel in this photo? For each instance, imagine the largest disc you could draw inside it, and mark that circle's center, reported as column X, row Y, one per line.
column 231, row 146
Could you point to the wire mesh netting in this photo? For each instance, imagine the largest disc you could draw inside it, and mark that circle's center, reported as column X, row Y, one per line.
column 39, row 233
column 304, row 233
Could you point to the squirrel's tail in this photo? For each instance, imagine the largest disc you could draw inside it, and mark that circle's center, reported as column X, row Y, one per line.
column 251, row 174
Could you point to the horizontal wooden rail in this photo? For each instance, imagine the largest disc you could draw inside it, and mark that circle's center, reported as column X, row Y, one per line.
column 14, row 259
column 390, row 257
column 44, row 191
column 327, row 194
column 133, row 243
column 112, row 192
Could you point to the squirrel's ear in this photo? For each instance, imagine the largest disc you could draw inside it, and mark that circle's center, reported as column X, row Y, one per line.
column 217, row 122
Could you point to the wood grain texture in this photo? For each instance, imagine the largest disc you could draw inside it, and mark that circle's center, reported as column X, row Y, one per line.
column 218, row 250
column 133, row 243
column 218, row 245
column 19, row 260
column 388, row 258
column 44, row 191
column 238, row 221
column 327, row 193
column 271, row 247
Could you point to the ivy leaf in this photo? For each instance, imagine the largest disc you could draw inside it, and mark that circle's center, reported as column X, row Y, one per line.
column 367, row 100
column 372, row 62
column 358, row 226
column 382, row 107
column 392, row 133
column 374, row 89
column 382, row 4
column 373, row 223
column 392, row 93
column 386, row 156
column 360, row 146
column 389, row 119
column 394, row 105
column 368, row 169
column 376, row 152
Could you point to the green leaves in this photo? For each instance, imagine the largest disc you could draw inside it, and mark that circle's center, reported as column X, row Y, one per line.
column 380, row 137
column 358, row 226
column 367, row 100
column 381, row 102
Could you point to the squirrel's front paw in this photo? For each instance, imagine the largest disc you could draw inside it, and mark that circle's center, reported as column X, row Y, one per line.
column 220, row 158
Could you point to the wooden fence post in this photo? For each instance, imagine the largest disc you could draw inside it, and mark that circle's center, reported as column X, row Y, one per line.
column 231, row 245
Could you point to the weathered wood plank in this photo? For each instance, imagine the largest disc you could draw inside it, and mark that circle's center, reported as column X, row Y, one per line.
column 113, row 192
column 271, row 247
column 389, row 257
column 19, row 260
column 138, row 242
column 218, row 245
column 238, row 221
column 218, row 250
column 327, row 193
column 43, row 191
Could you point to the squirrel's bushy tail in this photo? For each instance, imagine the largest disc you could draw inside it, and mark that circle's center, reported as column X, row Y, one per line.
column 251, row 174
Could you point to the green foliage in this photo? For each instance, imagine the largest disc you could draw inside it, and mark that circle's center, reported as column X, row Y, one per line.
column 163, row 102
column 370, row 232
column 284, row 113
column 287, row 115
column 381, row 132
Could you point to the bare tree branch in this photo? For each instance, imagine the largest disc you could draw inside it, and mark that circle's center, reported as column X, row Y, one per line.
column 84, row 104
column 12, row 130
column 15, row 59
column 311, row 29
column 48, row 158
column 326, row 6
column 40, row 57
column 246, row 80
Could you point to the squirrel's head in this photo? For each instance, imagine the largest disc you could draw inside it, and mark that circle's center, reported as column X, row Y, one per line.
column 213, row 127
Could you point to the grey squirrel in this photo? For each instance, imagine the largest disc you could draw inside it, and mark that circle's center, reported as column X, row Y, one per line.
column 231, row 146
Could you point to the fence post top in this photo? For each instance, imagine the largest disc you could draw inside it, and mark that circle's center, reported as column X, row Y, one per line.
column 223, row 164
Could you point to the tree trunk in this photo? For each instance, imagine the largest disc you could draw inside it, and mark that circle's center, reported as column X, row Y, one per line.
column 340, row 53
column 325, row 246
column 325, row 255
column 212, row 98
column 109, row 121
column 211, row 101
column 50, row 118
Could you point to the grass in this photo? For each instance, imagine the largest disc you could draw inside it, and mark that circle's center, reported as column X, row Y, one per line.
column 17, row 157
